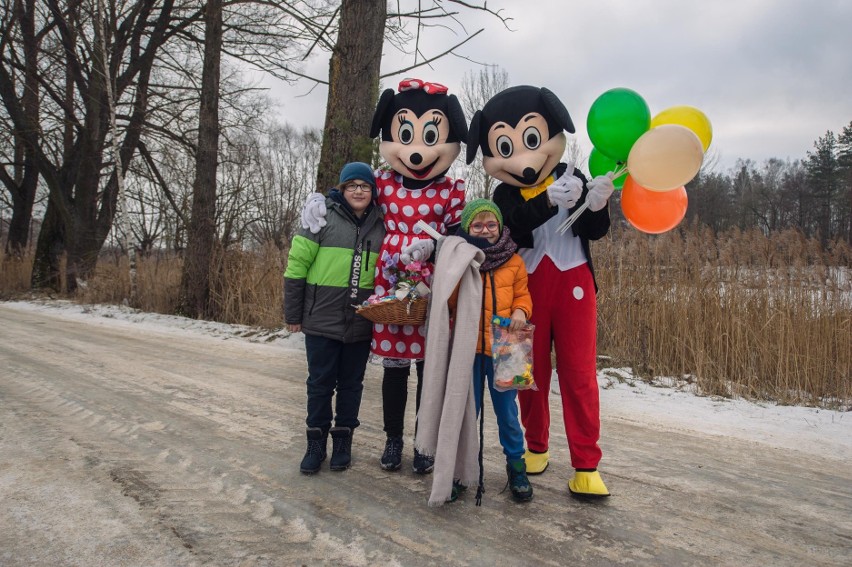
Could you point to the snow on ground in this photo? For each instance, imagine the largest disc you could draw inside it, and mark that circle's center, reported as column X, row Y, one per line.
column 819, row 432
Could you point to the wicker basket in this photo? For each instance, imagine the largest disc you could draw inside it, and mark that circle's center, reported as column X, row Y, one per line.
column 397, row 312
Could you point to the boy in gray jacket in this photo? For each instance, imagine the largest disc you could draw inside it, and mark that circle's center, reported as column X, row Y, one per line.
column 327, row 275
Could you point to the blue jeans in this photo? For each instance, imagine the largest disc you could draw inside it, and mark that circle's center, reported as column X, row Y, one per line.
column 335, row 365
column 505, row 408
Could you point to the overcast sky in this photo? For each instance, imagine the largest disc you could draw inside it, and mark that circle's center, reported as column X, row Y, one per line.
column 771, row 75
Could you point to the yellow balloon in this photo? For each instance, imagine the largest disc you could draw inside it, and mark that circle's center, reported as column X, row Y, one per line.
column 690, row 117
column 665, row 158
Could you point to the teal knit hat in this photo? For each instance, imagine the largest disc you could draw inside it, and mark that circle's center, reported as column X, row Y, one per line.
column 357, row 170
column 477, row 206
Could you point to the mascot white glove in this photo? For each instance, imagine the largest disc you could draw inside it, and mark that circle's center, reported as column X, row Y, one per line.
column 313, row 213
column 417, row 251
column 600, row 188
column 565, row 191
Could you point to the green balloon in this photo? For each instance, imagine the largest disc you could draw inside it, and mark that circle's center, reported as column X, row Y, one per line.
column 616, row 120
column 599, row 164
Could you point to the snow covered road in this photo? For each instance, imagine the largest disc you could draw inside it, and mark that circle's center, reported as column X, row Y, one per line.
column 129, row 442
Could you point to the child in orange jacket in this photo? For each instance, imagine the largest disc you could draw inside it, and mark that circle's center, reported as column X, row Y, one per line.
column 505, row 294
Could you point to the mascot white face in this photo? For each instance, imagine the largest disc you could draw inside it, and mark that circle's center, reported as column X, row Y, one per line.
column 418, row 147
column 523, row 154
column 520, row 132
column 422, row 128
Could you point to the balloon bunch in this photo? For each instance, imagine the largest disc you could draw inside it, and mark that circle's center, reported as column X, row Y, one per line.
column 650, row 159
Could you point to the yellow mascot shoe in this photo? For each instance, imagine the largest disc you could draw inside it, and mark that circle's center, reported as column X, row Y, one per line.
column 536, row 462
column 587, row 485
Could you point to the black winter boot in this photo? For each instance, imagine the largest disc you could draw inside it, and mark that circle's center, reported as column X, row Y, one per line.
column 392, row 457
column 316, row 452
column 422, row 464
column 519, row 484
column 341, row 448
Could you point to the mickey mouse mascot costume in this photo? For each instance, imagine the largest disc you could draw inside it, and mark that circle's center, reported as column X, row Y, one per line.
column 520, row 132
column 421, row 130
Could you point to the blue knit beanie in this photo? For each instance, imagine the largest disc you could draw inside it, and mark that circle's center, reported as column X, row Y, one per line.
column 357, row 170
column 477, row 206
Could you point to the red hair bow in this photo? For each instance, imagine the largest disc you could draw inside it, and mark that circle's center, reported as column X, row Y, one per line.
column 428, row 88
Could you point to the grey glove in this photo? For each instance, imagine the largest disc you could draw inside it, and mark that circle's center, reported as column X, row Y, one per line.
column 417, row 251
column 600, row 188
column 313, row 213
column 565, row 191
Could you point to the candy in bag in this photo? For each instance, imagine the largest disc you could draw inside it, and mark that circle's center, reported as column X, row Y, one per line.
column 512, row 355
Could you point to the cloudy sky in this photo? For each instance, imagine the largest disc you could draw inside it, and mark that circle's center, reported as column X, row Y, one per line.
column 771, row 75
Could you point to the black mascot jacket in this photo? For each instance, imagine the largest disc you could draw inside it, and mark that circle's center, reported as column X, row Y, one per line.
column 522, row 217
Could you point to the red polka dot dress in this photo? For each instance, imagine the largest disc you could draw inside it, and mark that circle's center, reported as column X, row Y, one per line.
column 439, row 204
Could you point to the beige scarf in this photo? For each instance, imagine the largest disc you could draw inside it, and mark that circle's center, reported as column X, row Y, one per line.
column 446, row 421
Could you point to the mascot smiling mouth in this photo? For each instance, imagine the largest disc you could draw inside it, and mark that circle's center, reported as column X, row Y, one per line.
column 529, row 178
column 423, row 172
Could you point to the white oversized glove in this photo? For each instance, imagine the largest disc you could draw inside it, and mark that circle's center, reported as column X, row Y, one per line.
column 417, row 251
column 565, row 191
column 313, row 212
column 600, row 188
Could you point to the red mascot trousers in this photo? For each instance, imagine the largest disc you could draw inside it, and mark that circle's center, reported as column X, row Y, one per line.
column 565, row 316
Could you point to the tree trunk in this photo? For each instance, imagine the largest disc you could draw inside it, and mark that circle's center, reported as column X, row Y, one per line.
column 195, row 281
column 25, row 182
column 23, row 197
column 353, row 88
column 50, row 246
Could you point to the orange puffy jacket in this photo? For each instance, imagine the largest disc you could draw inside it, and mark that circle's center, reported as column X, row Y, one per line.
column 510, row 285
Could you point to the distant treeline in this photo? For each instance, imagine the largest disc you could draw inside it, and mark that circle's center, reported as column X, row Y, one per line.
column 813, row 195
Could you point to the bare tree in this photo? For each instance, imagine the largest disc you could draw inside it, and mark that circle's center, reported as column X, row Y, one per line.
column 290, row 162
column 353, row 87
column 22, row 182
column 195, row 280
column 73, row 125
column 477, row 89
column 66, row 132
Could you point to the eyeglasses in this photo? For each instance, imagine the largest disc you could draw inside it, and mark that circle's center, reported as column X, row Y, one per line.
column 352, row 187
column 480, row 226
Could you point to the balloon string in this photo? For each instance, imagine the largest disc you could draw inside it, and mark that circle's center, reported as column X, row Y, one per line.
column 566, row 224
column 618, row 172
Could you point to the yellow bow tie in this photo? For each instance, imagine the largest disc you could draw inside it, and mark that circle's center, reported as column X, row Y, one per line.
column 529, row 192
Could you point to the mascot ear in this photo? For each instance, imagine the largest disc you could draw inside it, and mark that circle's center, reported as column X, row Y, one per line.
column 456, row 116
column 379, row 115
column 473, row 136
column 557, row 110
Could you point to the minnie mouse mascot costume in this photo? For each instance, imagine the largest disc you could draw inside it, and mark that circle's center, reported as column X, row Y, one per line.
column 520, row 132
column 421, row 130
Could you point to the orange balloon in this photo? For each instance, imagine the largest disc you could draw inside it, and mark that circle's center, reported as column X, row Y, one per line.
column 653, row 212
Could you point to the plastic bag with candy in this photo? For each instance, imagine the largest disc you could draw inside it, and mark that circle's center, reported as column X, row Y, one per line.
column 512, row 355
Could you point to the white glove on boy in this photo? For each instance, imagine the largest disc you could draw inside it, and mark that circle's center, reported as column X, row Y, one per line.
column 313, row 213
column 565, row 191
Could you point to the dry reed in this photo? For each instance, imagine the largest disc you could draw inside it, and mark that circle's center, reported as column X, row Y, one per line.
column 246, row 288
column 15, row 274
column 739, row 315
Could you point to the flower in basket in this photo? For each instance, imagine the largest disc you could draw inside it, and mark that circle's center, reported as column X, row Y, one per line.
column 409, row 281
column 390, row 268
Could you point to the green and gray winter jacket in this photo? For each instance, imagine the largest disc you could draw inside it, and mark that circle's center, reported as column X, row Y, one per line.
column 330, row 272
